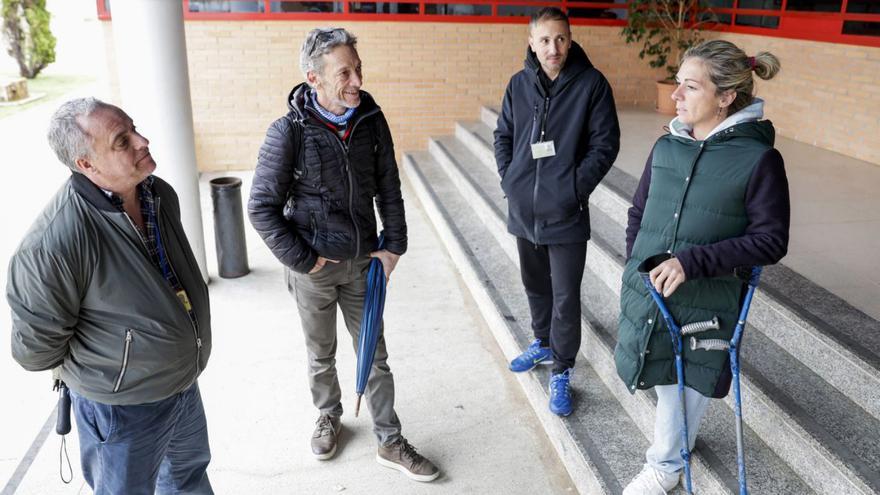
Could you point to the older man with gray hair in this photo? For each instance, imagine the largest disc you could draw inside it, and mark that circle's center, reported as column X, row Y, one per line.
column 320, row 171
column 105, row 287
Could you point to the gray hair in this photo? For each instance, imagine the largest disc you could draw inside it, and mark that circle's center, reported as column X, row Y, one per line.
column 66, row 136
column 320, row 42
column 730, row 69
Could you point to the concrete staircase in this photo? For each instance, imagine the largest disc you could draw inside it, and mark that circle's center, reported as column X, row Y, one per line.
column 811, row 362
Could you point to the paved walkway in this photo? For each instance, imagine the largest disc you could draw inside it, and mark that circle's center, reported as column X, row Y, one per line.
column 457, row 402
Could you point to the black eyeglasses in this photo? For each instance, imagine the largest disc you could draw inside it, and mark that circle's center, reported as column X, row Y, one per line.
column 323, row 34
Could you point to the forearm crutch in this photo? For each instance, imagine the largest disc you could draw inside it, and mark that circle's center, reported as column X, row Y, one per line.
column 752, row 277
column 675, row 333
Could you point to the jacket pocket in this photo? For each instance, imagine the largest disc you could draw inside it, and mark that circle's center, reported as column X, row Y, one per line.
column 126, row 351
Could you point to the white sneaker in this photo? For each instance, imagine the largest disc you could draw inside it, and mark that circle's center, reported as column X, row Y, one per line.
column 651, row 482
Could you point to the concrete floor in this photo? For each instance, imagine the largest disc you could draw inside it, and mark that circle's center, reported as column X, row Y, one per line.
column 458, row 403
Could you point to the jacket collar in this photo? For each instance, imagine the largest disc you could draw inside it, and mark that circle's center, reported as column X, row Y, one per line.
column 96, row 196
column 296, row 103
column 91, row 193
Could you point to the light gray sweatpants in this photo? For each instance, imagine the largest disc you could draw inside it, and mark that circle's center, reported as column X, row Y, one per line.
column 317, row 295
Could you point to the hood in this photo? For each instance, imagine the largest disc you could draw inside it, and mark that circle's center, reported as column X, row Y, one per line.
column 752, row 114
column 576, row 62
column 296, row 101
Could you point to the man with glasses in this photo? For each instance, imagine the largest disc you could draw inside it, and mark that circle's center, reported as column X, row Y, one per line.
column 319, row 172
column 557, row 137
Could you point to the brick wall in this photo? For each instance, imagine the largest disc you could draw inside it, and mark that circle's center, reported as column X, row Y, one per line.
column 826, row 95
column 428, row 75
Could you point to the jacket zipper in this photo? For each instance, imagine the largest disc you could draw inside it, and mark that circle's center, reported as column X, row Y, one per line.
column 193, row 321
column 538, row 172
column 357, row 231
column 137, row 232
column 348, row 173
column 128, row 339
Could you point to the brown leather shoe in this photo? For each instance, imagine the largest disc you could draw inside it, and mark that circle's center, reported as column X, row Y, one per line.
column 324, row 437
column 403, row 457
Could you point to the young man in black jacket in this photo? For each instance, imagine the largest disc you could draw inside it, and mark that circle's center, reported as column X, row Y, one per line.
column 321, row 169
column 557, row 136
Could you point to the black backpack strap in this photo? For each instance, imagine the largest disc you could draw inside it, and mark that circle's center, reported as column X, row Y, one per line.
column 296, row 139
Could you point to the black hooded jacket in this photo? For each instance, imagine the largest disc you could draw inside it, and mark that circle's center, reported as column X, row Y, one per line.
column 313, row 193
column 547, row 198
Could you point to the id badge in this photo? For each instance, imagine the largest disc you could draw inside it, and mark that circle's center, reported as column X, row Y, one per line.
column 184, row 299
column 543, row 149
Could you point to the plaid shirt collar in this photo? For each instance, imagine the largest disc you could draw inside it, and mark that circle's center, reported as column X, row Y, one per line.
column 148, row 210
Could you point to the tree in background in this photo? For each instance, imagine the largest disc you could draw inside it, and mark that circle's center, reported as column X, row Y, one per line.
column 27, row 34
column 666, row 29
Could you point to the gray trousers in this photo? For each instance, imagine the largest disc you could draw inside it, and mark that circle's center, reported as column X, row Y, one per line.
column 317, row 296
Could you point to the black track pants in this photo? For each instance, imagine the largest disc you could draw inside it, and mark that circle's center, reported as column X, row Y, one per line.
column 552, row 277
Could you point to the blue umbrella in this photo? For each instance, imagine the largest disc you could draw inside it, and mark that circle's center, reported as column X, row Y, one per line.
column 371, row 321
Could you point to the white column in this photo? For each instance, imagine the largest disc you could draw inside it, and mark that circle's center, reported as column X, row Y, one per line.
column 150, row 46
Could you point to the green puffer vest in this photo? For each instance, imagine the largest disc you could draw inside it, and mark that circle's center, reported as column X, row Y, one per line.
column 696, row 197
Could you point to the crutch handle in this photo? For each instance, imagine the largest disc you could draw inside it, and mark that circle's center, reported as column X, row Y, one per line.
column 701, row 326
column 709, row 344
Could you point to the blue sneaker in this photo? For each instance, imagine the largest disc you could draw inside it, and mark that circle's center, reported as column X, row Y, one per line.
column 531, row 357
column 560, row 393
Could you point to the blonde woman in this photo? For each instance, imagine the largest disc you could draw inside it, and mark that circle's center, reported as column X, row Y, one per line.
column 715, row 195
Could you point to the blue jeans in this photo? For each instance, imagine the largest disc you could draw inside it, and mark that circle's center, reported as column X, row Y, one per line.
column 665, row 453
column 159, row 447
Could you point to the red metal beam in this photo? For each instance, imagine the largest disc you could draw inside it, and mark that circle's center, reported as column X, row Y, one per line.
column 805, row 25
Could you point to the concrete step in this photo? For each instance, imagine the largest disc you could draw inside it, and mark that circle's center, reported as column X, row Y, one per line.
column 828, row 440
column 835, row 340
column 599, row 449
column 714, row 471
